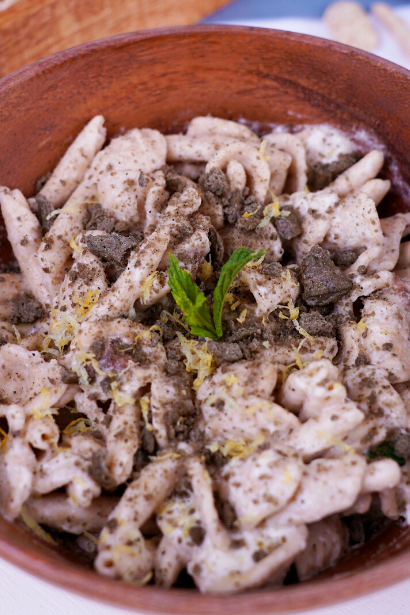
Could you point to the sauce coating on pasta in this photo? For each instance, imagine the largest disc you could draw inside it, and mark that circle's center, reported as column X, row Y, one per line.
column 205, row 353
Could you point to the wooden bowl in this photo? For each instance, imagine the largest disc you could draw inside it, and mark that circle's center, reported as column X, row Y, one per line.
column 162, row 79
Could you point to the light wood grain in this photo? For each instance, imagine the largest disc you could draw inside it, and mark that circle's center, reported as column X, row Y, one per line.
column 33, row 29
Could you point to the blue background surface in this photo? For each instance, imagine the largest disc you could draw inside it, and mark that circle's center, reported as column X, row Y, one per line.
column 265, row 9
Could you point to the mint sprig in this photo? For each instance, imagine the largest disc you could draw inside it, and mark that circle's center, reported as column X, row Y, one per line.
column 192, row 301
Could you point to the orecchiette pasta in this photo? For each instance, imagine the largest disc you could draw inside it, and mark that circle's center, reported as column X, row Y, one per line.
column 205, row 354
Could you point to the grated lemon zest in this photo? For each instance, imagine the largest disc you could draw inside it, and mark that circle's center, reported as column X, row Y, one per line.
column 294, row 315
column 145, row 333
column 298, row 363
column 174, row 318
column 147, row 287
column 166, row 456
column 78, row 426
column 140, row 582
column 361, row 325
column 4, row 438
column 62, row 331
column 91, row 537
column 84, row 306
column 235, row 305
column 198, row 359
column 120, row 399
column 307, row 191
column 262, row 150
column 206, row 271
column 272, row 210
column 254, row 263
column 35, row 527
column 144, row 403
column 318, row 354
column 81, row 359
column 302, row 331
column 242, row 317
column 236, row 448
column 252, row 213
column 74, row 246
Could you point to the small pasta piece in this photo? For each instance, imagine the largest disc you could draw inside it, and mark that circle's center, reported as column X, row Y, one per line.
column 325, row 545
column 55, row 248
column 279, row 163
column 261, row 484
column 207, row 125
column 376, row 189
column 252, row 161
column 168, row 563
column 185, row 148
column 270, row 292
column 43, row 434
column 127, row 289
column 393, row 229
column 12, row 286
column 24, row 234
column 393, row 414
column 154, row 202
column 71, row 169
column 380, row 475
column 236, row 175
column 87, row 274
column 61, row 513
column 66, row 470
column 16, row 417
column 20, row 464
column 29, row 369
column 180, row 524
column 122, row 441
column 328, row 486
column 297, row 171
column 363, row 231
column 388, row 503
column 122, row 530
column 205, row 504
column 216, row 570
column 325, row 144
column 357, row 175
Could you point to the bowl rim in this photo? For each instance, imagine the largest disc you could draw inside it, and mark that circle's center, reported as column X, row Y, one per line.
column 154, row 599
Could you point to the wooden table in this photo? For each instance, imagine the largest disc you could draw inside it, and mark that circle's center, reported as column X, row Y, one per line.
column 32, row 29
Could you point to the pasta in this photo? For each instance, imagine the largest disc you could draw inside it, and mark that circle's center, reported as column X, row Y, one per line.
column 205, row 353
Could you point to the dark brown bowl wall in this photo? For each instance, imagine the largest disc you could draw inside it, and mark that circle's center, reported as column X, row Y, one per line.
column 161, row 79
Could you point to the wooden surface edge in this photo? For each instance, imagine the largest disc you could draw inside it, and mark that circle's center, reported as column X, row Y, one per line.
column 33, row 29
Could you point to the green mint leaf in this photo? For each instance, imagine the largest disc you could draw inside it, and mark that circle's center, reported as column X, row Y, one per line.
column 383, row 450
column 229, row 272
column 190, row 300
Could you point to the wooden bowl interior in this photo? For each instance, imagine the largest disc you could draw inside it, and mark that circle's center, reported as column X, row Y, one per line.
column 161, row 79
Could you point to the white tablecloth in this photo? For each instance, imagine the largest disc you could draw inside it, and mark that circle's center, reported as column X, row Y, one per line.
column 22, row 594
